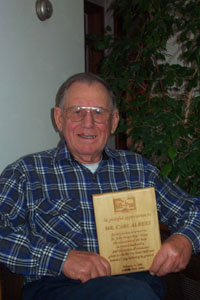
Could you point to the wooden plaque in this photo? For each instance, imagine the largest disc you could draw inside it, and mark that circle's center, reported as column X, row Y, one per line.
column 127, row 229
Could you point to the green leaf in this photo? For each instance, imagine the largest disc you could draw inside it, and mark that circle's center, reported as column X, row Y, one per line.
column 172, row 153
column 166, row 169
column 108, row 28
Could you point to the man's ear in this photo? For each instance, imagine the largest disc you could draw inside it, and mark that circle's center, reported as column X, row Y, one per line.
column 115, row 121
column 58, row 117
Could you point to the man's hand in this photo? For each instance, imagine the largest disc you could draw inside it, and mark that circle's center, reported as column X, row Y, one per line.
column 173, row 256
column 85, row 265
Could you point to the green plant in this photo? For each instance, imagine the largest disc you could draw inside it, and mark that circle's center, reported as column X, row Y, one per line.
column 159, row 101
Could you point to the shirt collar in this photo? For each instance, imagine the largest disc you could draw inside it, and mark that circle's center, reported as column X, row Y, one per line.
column 63, row 153
column 108, row 152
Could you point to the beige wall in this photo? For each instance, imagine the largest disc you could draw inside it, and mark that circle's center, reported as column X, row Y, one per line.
column 35, row 58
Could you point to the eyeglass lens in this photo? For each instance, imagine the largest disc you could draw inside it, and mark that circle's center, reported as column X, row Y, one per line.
column 99, row 115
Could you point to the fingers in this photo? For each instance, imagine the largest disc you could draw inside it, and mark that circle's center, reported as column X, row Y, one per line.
column 104, row 266
column 164, row 263
column 85, row 265
column 96, row 266
column 173, row 256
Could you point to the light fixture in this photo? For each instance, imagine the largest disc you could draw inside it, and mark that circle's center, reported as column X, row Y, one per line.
column 44, row 9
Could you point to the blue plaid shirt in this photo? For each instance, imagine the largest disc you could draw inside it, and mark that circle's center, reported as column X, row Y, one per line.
column 46, row 206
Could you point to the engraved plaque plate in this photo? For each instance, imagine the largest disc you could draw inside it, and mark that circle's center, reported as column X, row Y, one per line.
column 127, row 229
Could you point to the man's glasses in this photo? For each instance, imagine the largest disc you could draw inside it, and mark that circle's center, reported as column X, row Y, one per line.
column 78, row 113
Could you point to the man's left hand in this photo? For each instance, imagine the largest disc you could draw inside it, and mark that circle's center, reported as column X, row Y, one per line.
column 173, row 256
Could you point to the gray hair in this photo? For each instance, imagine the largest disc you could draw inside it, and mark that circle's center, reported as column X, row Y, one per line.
column 88, row 78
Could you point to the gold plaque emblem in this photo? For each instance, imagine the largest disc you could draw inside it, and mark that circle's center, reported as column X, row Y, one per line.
column 124, row 205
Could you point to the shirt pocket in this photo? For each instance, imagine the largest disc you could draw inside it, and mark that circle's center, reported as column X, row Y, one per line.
column 59, row 220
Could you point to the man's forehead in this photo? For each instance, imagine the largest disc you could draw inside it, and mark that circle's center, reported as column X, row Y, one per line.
column 96, row 85
column 83, row 91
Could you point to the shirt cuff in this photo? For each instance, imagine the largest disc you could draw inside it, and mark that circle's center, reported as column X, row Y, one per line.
column 192, row 235
column 52, row 260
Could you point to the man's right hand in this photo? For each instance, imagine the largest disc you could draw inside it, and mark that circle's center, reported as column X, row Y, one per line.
column 83, row 265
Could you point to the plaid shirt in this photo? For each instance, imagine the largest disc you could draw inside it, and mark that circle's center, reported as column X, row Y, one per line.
column 46, row 206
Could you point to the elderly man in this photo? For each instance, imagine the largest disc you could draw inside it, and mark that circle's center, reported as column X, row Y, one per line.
column 47, row 226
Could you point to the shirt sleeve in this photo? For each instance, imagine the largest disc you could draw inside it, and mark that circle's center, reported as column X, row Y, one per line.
column 177, row 209
column 22, row 250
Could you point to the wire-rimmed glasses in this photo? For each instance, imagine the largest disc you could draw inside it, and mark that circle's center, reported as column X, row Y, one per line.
column 77, row 113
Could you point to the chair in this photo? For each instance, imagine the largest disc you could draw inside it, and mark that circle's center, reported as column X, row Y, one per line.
column 0, row 289
column 10, row 284
column 184, row 285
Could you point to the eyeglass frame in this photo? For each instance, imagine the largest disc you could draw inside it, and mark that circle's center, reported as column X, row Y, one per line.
column 88, row 109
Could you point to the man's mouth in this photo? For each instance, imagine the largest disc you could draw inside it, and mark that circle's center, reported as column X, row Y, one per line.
column 87, row 136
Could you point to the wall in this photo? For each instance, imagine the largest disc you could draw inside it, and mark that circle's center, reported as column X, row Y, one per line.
column 98, row 2
column 108, row 18
column 108, row 21
column 35, row 58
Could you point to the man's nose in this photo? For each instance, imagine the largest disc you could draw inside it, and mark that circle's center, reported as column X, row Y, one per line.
column 88, row 119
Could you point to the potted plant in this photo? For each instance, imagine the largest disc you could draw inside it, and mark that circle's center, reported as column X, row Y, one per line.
column 158, row 99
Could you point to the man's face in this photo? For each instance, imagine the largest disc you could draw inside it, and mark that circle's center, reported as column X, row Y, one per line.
column 86, row 139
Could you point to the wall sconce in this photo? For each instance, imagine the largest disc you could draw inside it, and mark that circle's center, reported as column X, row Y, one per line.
column 44, row 9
